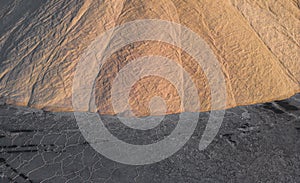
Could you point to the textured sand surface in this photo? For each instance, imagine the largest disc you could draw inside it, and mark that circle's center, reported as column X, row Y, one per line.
column 255, row 42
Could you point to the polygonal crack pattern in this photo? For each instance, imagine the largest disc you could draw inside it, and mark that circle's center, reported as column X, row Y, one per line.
column 258, row 143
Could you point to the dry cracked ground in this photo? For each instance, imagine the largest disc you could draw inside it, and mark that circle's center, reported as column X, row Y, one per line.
column 255, row 42
column 258, row 143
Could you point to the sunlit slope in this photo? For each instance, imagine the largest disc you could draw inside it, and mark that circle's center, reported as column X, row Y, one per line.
column 255, row 42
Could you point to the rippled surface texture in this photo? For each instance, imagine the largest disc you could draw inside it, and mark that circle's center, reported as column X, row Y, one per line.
column 255, row 42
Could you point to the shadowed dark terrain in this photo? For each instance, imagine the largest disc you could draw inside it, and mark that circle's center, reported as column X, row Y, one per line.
column 258, row 143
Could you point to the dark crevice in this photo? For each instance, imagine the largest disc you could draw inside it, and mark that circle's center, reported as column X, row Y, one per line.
column 271, row 107
column 21, row 131
column 287, row 106
column 22, row 175
column 20, row 151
